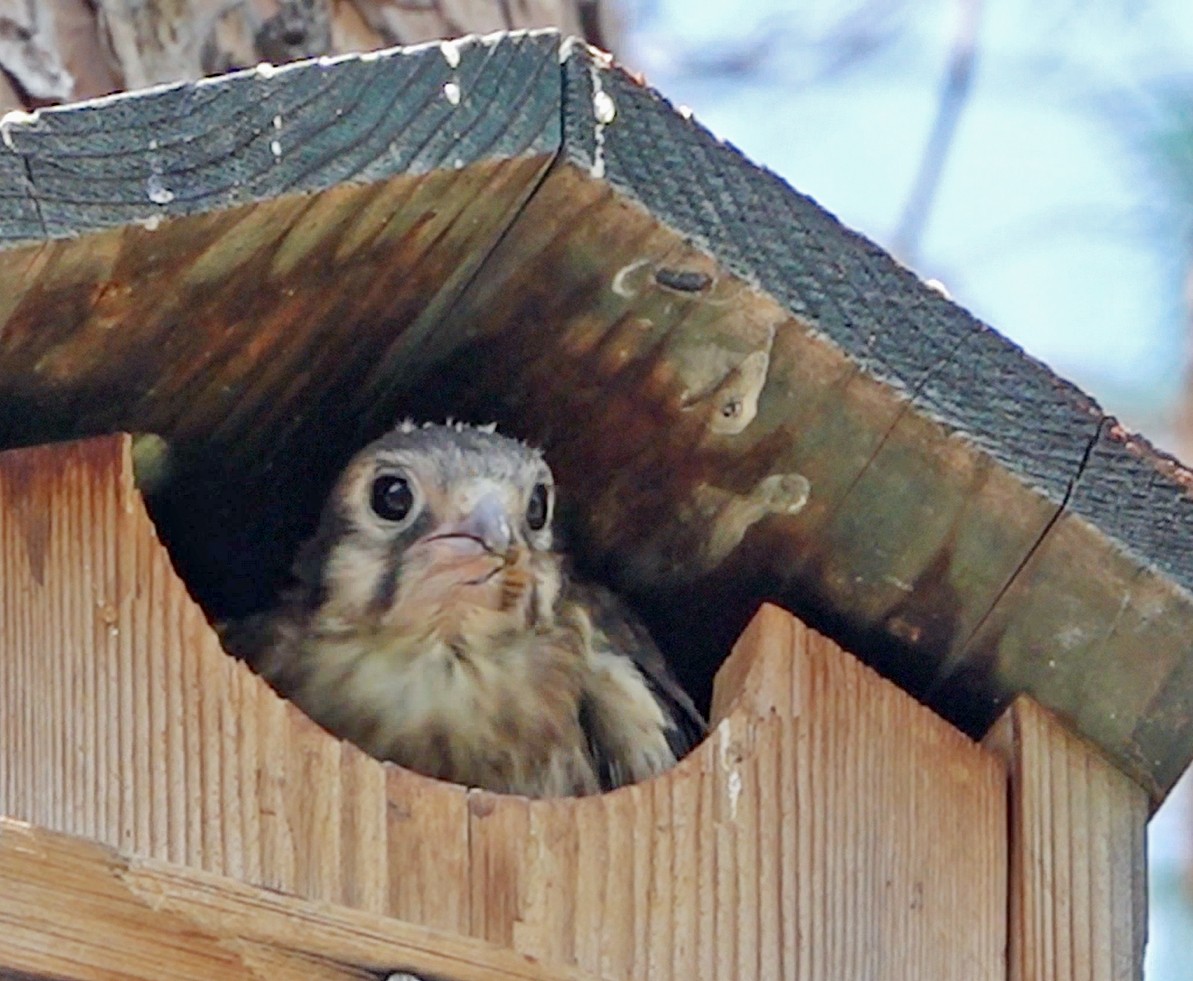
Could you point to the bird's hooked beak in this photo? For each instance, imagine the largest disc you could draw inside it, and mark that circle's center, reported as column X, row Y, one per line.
column 486, row 524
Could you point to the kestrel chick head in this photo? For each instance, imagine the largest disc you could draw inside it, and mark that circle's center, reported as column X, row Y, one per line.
column 439, row 526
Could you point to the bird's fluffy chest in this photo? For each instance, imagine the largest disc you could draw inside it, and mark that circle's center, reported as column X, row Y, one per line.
column 502, row 713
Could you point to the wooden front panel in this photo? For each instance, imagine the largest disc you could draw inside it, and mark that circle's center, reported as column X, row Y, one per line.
column 1078, row 863
column 830, row 827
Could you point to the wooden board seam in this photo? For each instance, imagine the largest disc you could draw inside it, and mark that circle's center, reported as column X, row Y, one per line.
column 112, row 896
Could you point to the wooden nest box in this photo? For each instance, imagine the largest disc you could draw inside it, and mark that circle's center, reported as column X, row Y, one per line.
column 268, row 269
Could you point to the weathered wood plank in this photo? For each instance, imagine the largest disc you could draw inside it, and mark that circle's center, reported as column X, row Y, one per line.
column 884, row 317
column 817, row 848
column 121, row 719
column 682, row 485
column 277, row 340
column 77, row 911
column 18, row 209
column 218, row 143
column 930, row 354
column 1078, row 901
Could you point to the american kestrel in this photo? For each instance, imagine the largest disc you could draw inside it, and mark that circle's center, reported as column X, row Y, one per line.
column 434, row 623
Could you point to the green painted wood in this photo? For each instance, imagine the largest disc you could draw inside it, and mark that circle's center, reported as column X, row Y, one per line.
column 254, row 135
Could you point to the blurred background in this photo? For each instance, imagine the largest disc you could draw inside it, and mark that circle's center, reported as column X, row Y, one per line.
column 1033, row 156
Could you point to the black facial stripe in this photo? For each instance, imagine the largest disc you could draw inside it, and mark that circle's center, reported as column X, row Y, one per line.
column 532, row 608
column 421, row 526
column 387, row 587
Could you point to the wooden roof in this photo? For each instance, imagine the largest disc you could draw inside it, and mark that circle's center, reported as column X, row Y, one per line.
column 268, row 268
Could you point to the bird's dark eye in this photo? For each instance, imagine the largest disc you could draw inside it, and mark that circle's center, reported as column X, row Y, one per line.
column 392, row 497
column 536, row 509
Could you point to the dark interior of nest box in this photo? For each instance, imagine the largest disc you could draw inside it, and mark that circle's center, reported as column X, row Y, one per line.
column 267, row 344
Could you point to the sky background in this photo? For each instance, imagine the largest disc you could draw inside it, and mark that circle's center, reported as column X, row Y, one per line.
column 1052, row 220
column 1046, row 224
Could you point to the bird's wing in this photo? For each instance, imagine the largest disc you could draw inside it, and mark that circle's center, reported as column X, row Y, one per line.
column 628, row 738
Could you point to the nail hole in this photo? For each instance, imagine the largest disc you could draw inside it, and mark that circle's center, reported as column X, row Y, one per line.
column 685, row 281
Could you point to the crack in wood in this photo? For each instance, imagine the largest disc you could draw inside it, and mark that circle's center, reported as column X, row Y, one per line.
column 950, row 665
column 412, row 338
column 32, row 192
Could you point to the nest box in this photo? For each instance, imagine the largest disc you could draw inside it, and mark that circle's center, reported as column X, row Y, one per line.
column 744, row 404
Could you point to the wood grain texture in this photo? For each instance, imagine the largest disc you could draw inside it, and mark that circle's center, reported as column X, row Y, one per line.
column 77, row 911
column 1077, row 847
column 267, row 132
column 126, row 723
column 801, row 839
